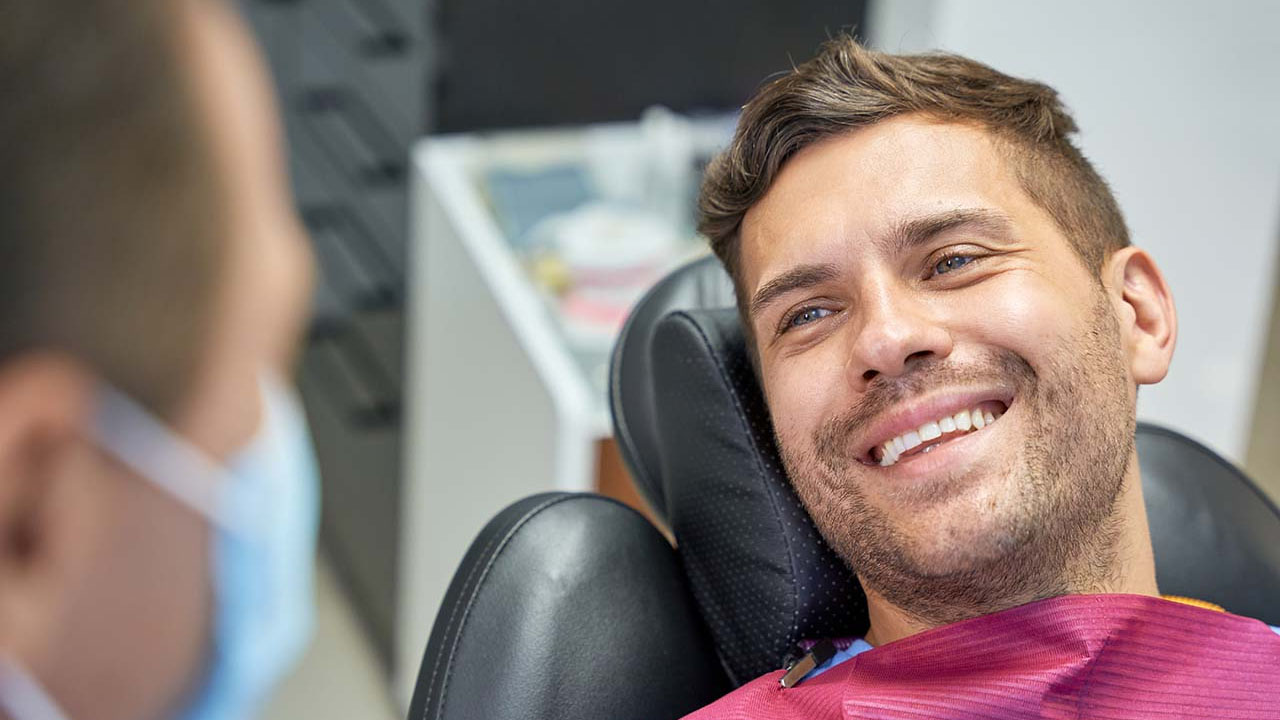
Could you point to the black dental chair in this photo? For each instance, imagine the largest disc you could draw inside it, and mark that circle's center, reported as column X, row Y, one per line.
column 573, row 606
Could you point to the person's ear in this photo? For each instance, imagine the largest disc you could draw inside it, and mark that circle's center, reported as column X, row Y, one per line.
column 1148, row 320
column 45, row 407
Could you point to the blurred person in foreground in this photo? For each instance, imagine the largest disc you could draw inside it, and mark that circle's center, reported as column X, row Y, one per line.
column 950, row 327
column 157, row 491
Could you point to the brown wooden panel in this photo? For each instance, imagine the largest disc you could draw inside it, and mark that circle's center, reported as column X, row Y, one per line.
column 613, row 480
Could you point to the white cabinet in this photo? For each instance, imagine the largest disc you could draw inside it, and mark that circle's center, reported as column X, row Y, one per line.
column 500, row 403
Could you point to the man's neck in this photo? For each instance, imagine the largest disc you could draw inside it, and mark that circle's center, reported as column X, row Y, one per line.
column 1134, row 571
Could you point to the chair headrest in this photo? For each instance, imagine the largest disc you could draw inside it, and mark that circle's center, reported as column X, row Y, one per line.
column 699, row 285
column 757, row 566
column 694, row 430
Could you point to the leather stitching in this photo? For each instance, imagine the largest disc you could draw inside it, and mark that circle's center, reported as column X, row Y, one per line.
column 621, row 429
column 435, row 668
column 637, row 323
column 474, row 593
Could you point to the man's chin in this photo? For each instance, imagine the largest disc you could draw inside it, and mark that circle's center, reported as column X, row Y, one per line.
column 961, row 552
column 964, row 527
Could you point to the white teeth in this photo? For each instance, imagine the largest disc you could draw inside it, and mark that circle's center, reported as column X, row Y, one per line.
column 963, row 421
column 911, row 439
column 930, row 431
column 888, row 456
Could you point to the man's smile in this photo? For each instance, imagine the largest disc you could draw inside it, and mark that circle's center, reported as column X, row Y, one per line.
column 919, row 427
column 933, row 433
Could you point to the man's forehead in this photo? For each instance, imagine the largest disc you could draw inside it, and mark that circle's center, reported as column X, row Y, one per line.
column 856, row 190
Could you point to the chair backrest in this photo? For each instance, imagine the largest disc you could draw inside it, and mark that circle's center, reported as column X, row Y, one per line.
column 567, row 606
column 693, row 428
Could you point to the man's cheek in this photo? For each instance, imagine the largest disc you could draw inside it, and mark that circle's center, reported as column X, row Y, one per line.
column 1023, row 316
column 817, row 492
column 796, row 400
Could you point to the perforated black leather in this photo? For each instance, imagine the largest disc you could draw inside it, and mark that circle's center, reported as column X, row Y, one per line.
column 761, row 574
column 699, row 285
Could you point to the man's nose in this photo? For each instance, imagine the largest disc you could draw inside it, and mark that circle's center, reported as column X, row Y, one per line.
column 894, row 330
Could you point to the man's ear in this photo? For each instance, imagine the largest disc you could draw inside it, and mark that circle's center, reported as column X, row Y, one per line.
column 1148, row 320
column 46, row 402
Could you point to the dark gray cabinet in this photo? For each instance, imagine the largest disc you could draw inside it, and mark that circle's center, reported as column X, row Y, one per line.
column 351, row 80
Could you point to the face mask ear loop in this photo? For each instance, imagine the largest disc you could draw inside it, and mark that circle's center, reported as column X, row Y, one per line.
column 21, row 696
column 169, row 461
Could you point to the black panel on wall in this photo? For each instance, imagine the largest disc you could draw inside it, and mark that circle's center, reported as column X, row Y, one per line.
column 513, row 63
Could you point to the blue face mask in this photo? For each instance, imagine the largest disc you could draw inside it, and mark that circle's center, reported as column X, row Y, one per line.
column 263, row 507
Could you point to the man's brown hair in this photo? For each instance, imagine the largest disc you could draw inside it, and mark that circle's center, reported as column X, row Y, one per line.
column 847, row 86
column 111, row 219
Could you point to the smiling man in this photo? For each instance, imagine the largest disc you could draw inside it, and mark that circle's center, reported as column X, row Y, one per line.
column 950, row 327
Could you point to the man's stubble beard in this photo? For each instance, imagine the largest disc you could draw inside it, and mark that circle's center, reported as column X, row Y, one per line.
column 1059, row 532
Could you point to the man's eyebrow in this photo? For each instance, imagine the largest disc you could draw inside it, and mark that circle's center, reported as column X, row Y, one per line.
column 798, row 277
column 910, row 233
column 917, row 231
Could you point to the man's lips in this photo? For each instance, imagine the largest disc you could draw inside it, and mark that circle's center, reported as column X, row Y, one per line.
column 914, row 427
column 933, row 434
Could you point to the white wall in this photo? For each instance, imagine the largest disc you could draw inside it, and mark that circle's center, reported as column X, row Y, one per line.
column 493, row 410
column 1179, row 108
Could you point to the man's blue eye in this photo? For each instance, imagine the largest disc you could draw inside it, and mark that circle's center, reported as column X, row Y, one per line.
column 808, row 315
column 948, row 264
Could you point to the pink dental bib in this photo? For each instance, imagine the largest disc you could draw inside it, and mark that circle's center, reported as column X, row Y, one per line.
column 1078, row 656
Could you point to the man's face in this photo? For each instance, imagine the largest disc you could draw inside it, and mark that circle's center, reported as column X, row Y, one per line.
column 904, row 292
